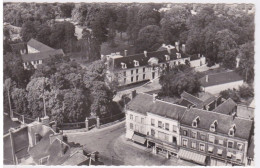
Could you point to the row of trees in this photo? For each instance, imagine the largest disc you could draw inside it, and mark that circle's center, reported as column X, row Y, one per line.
column 70, row 92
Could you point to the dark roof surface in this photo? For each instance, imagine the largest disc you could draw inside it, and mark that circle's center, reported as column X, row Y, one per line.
column 18, row 46
column 206, row 102
column 251, row 152
column 41, row 55
column 225, row 122
column 226, row 107
column 192, row 99
column 38, row 45
column 143, row 103
column 143, row 61
column 220, row 78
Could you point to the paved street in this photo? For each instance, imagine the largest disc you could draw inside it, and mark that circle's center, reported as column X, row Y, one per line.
column 114, row 149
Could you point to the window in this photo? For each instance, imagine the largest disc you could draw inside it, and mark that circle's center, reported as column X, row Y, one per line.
column 174, row 128
column 193, row 145
column 137, row 71
column 185, row 132
column 160, row 124
column 137, row 128
column 220, row 142
column 137, row 78
column 195, row 122
column 131, row 126
column 143, row 76
column 142, row 120
column 193, row 134
column 202, row 147
column 152, row 122
column 230, row 144
column 220, row 151
column 152, row 132
column 184, row 142
column 210, row 149
column 124, row 73
column 202, row 137
column 239, row 156
column 143, row 69
column 131, row 116
column 211, row 139
column 239, row 146
column 136, row 118
column 132, row 79
column 229, row 154
column 167, row 126
column 132, row 71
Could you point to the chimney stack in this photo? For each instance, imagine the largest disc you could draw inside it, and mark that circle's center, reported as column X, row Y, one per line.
column 145, row 53
column 163, row 45
column 125, row 53
column 177, row 45
column 154, row 97
column 183, row 48
column 198, row 55
column 207, row 78
column 169, row 49
column 238, row 60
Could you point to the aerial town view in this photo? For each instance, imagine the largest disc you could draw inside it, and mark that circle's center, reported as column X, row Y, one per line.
column 132, row 84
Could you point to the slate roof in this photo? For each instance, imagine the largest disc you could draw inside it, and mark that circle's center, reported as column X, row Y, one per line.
column 225, row 122
column 143, row 103
column 220, row 78
column 41, row 55
column 190, row 98
column 38, row 45
column 143, row 61
column 206, row 102
column 226, row 107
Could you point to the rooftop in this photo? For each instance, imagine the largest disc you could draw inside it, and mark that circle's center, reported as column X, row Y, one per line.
column 226, row 107
column 143, row 103
column 225, row 122
column 190, row 98
column 143, row 60
column 41, row 55
column 38, row 45
column 220, row 78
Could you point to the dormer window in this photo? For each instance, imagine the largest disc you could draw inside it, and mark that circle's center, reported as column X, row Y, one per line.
column 123, row 65
column 136, row 63
column 178, row 55
column 232, row 130
column 213, row 126
column 195, row 122
column 167, row 57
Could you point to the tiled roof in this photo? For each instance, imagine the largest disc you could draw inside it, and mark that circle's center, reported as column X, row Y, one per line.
column 38, row 45
column 143, row 103
column 225, row 122
column 226, row 107
column 220, row 78
column 189, row 97
column 41, row 55
column 143, row 60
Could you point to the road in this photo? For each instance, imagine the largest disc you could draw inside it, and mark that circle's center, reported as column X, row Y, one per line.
column 114, row 149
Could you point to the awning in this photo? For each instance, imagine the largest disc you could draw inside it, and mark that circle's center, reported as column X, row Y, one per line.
column 129, row 134
column 188, row 155
column 220, row 151
column 138, row 139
